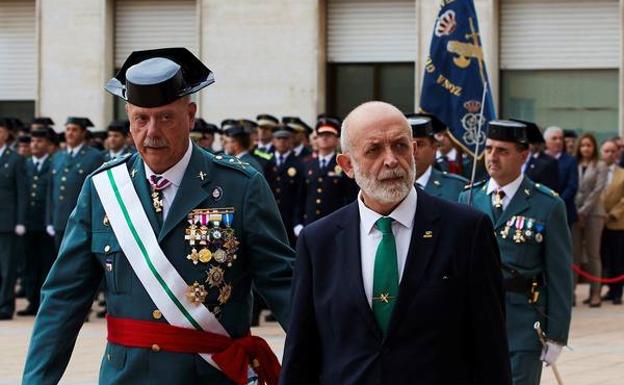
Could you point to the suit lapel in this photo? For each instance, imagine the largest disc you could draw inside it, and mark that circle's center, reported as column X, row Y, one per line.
column 518, row 203
column 190, row 194
column 348, row 247
column 424, row 237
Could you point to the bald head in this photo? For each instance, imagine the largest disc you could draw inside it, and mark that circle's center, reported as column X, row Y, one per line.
column 376, row 116
column 378, row 152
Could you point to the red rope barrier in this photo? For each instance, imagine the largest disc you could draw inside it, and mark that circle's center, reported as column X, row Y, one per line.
column 593, row 278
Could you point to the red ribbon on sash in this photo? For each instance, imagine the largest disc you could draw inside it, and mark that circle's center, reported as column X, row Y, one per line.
column 232, row 355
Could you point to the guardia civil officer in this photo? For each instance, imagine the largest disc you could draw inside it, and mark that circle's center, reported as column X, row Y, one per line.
column 70, row 168
column 237, row 142
column 437, row 183
column 203, row 133
column 13, row 195
column 534, row 241
column 325, row 188
column 38, row 245
column 180, row 236
column 301, row 131
column 117, row 140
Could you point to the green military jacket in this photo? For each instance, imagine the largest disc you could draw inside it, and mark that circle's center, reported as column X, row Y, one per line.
column 445, row 185
column 544, row 248
column 13, row 191
column 91, row 251
column 246, row 157
column 38, row 181
column 68, row 175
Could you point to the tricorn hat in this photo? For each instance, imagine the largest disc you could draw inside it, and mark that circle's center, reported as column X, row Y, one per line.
column 157, row 77
column 507, row 131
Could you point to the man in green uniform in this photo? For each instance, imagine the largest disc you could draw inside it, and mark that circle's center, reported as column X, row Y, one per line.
column 237, row 141
column 437, row 183
column 180, row 236
column 534, row 241
column 13, row 194
column 38, row 245
column 70, row 168
column 117, row 140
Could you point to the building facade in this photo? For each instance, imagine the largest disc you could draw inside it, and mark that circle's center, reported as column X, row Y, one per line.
column 556, row 62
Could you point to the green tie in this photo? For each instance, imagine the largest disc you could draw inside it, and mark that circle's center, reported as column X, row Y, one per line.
column 386, row 275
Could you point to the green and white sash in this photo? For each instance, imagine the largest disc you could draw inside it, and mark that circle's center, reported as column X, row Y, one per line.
column 161, row 280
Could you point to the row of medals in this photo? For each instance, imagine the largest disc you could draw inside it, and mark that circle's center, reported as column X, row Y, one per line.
column 212, row 239
column 523, row 229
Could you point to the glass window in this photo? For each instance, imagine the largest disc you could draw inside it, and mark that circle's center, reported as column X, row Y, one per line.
column 22, row 109
column 352, row 84
column 583, row 100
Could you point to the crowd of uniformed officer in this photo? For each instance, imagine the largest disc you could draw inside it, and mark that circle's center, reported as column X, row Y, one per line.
column 43, row 171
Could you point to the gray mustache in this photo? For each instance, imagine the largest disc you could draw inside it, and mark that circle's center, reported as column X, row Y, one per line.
column 155, row 142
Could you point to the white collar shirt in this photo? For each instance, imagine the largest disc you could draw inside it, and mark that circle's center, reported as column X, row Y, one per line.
column 2, row 150
column 174, row 175
column 510, row 189
column 370, row 237
column 451, row 155
column 74, row 151
column 327, row 158
column 297, row 150
column 281, row 158
column 424, row 178
column 610, row 171
column 39, row 161
column 114, row 155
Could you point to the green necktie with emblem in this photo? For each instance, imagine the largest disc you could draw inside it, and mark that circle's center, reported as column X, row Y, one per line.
column 386, row 275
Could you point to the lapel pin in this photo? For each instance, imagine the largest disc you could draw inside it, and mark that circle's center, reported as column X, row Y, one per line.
column 133, row 173
column 202, row 175
column 527, row 192
column 428, row 234
column 435, row 182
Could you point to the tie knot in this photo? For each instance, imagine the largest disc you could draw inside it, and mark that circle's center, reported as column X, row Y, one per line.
column 384, row 224
column 500, row 193
column 158, row 182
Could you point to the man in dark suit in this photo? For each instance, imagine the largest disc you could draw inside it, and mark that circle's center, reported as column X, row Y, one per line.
column 568, row 170
column 301, row 131
column 398, row 287
column 539, row 167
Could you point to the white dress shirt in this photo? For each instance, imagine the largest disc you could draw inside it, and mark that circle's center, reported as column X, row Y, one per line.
column 39, row 161
column 451, row 155
column 510, row 189
column 297, row 150
column 117, row 154
column 424, row 178
column 327, row 158
column 74, row 151
column 174, row 175
column 2, row 149
column 610, row 171
column 370, row 237
column 277, row 157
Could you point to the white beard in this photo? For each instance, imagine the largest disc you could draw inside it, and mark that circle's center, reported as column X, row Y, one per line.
column 384, row 192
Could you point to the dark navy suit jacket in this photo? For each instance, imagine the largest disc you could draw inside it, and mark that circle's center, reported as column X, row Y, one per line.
column 568, row 184
column 543, row 169
column 448, row 323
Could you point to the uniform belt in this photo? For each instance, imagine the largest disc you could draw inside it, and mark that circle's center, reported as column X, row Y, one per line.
column 232, row 355
column 520, row 284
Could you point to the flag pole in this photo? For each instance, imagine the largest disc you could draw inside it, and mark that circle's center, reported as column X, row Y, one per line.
column 476, row 151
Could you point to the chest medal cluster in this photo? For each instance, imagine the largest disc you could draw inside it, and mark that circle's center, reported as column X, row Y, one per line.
column 213, row 243
column 522, row 229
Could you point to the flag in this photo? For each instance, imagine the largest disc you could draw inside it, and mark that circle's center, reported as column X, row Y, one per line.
column 455, row 75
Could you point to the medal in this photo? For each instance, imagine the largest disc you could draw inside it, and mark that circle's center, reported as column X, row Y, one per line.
column 157, row 201
column 539, row 236
column 224, row 293
column 205, row 255
column 215, row 276
column 505, row 232
column 518, row 236
column 194, row 256
column 292, row 172
column 220, row 256
column 196, row 293
column 529, row 232
column 498, row 200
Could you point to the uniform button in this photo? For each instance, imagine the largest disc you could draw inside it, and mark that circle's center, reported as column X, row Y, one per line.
column 108, row 356
column 63, row 179
column 32, row 203
column 33, row 194
column 277, row 190
column 66, row 170
column 278, row 179
column 35, row 177
column 320, row 179
column 61, row 198
column 319, row 190
column 34, row 185
column 106, row 248
column 219, row 157
column 318, row 201
column 318, row 212
column 155, row 348
column 156, row 314
column 305, row 216
column 62, row 188
column 278, row 201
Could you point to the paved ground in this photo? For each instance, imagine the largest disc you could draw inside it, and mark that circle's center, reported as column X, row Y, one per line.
column 597, row 340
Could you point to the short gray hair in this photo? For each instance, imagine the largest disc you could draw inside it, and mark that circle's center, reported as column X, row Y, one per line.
column 552, row 130
column 345, row 141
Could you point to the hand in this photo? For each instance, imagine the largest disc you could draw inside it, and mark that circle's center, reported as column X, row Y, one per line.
column 20, row 230
column 550, row 352
column 297, row 230
column 50, row 230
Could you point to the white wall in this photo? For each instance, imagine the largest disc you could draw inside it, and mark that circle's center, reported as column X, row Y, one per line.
column 265, row 56
column 75, row 60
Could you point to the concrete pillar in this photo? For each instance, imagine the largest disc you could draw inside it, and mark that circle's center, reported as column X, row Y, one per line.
column 265, row 55
column 75, row 46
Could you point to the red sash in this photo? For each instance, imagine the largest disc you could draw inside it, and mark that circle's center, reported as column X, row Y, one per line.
column 232, row 355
